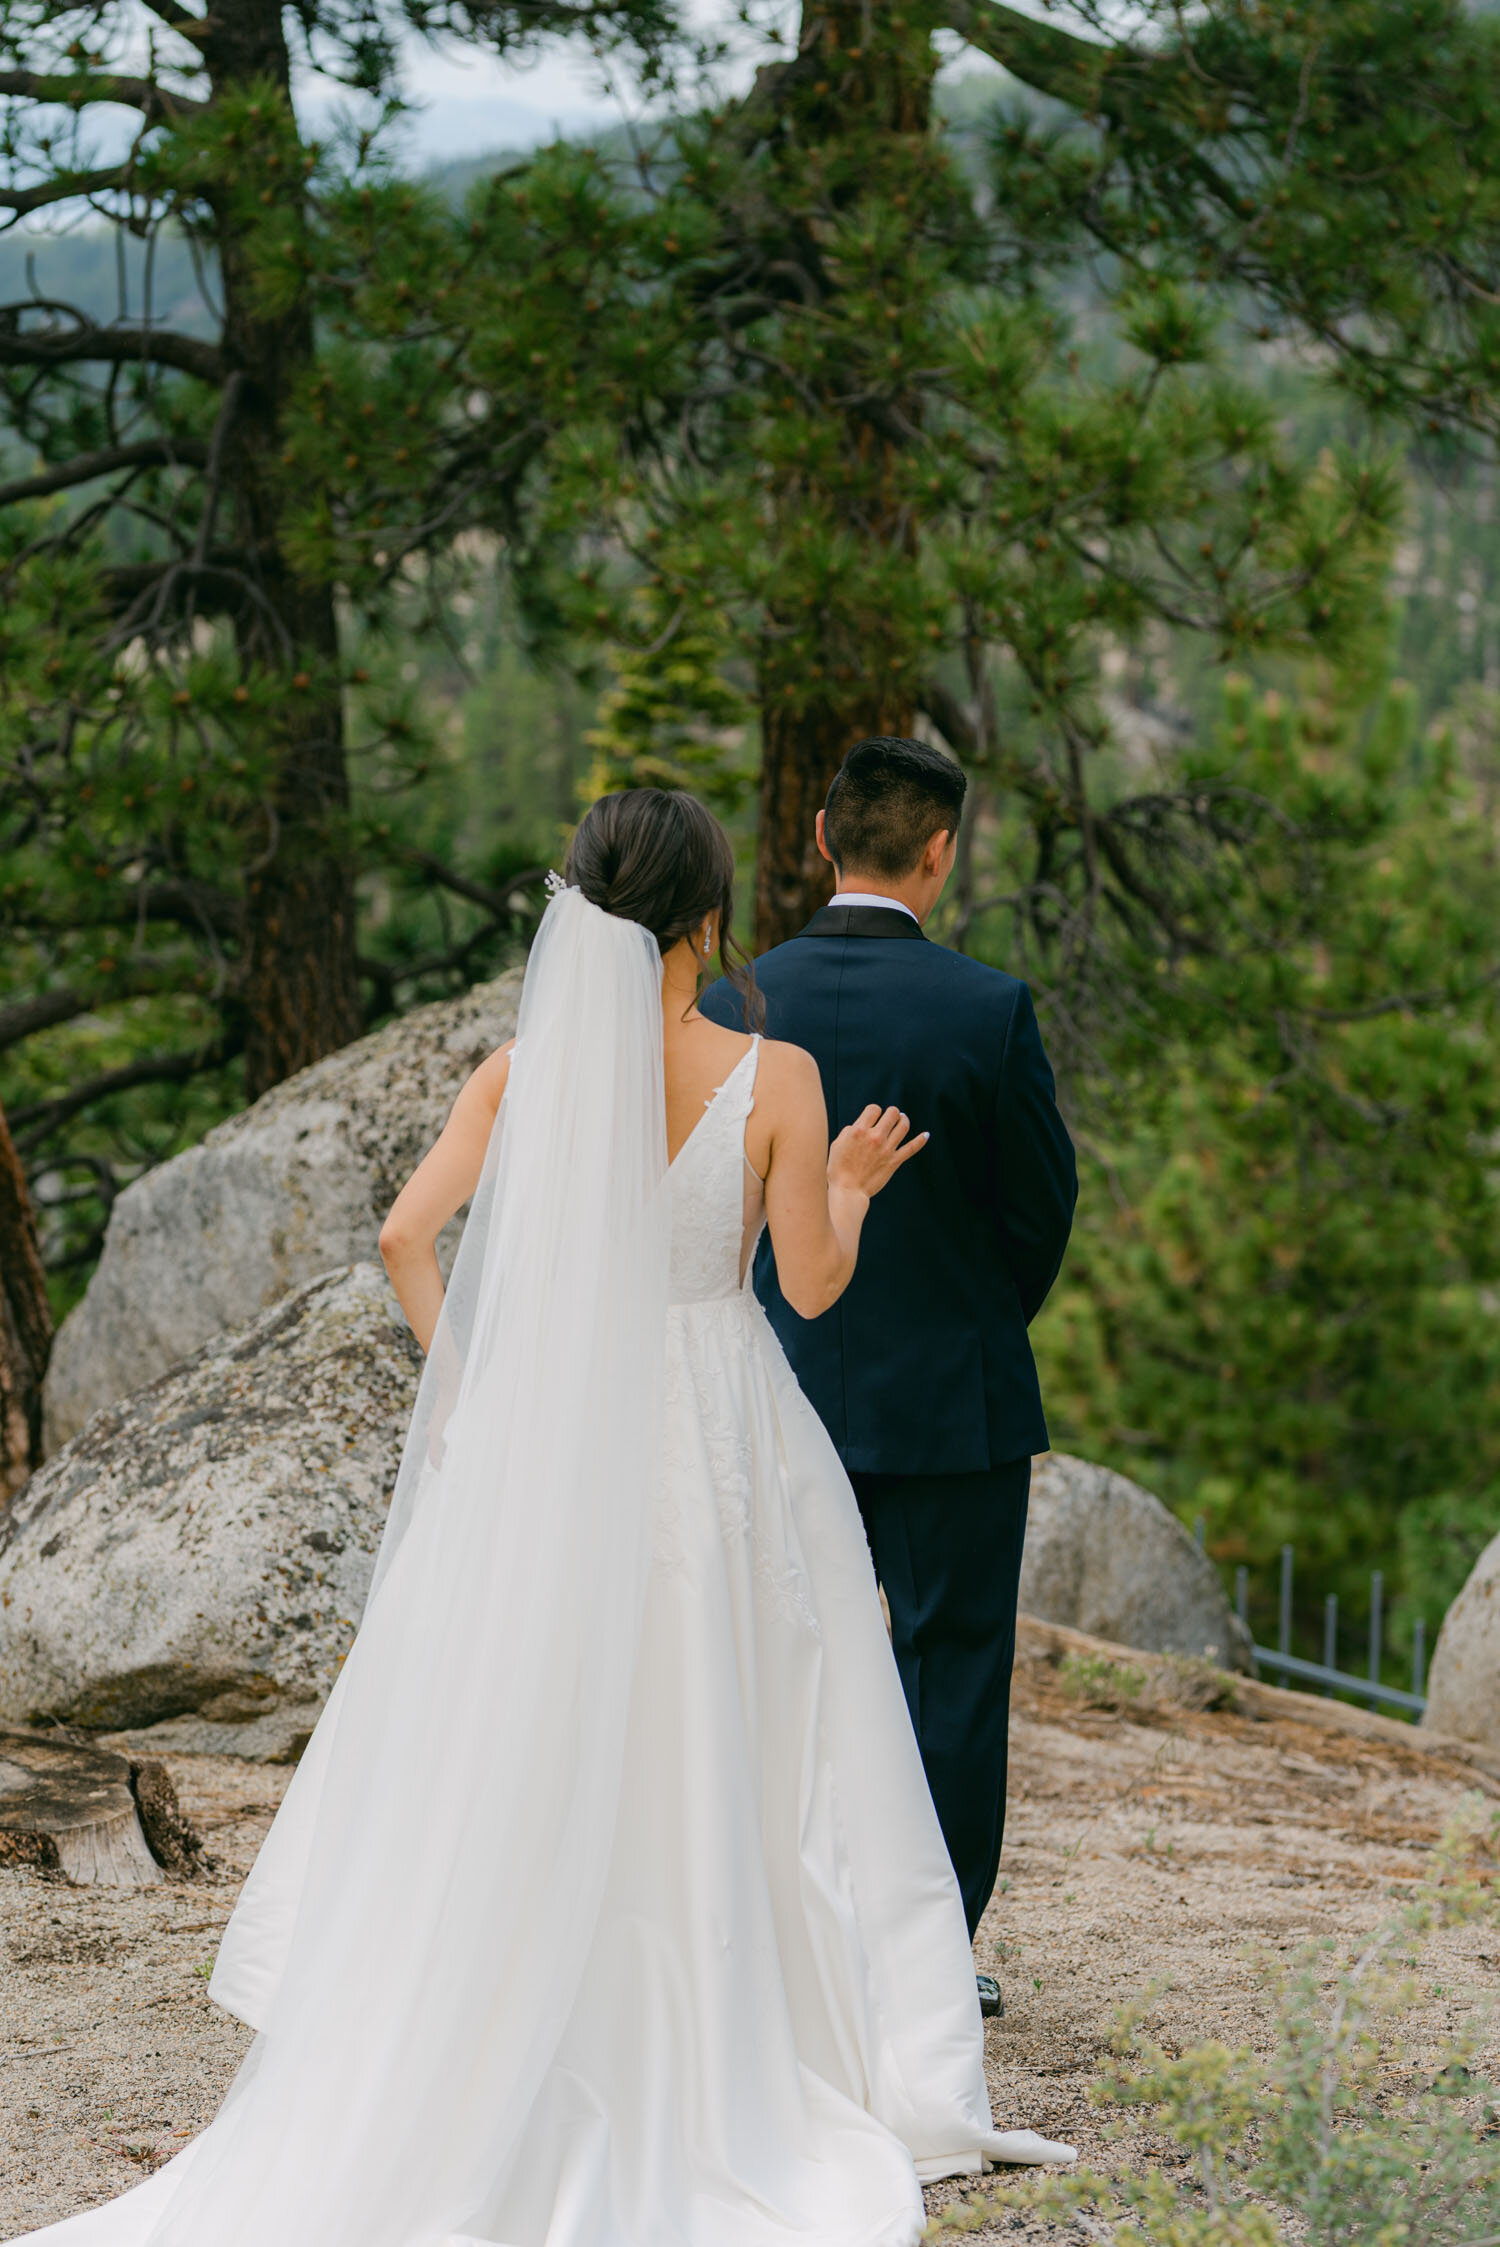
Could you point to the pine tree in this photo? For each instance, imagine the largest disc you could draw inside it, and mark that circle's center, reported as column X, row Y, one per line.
column 180, row 496
column 672, row 719
column 1278, row 1303
column 914, row 480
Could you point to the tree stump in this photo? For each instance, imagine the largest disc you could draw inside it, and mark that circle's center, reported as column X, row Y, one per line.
column 73, row 1810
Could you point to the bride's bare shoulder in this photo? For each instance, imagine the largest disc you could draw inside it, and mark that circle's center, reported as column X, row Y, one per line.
column 789, row 1072
column 486, row 1086
column 789, row 1110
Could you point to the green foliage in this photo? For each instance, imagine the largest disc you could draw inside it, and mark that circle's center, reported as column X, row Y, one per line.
column 672, row 720
column 1027, row 503
column 1334, row 2138
column 451, row 865
column 906, row 460
column 1100, row 1683
column 1278, row 1307
column 1327, row 162
column 1439, row 1537
column 812, row 400
column 196, row 766
column 122, row 824
column 1169, row 1681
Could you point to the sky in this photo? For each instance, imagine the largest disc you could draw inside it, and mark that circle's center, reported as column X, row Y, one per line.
column 466, row 105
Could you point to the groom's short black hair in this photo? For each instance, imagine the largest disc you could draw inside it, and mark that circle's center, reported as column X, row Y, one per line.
column 889, row 798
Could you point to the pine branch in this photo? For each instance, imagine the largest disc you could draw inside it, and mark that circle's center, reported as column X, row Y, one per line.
column 186, row 904
column 953, row 722
column 1054, row 62
column 494, row 901
column 151, row 452
column 149, row 597
column 387, row 974
column 80, row 89
column 177, row 18
column 23, row 1018
column 88, row 344
column 36, row 1122
column 27, row 1016
column 1403, row 1002
column 62, row 189
column 222, row 570
column 1154, row 901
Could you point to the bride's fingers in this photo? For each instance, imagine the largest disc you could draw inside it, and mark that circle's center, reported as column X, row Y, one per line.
column 912, row 1147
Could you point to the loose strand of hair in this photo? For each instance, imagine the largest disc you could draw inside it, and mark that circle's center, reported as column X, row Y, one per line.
column 739, row 973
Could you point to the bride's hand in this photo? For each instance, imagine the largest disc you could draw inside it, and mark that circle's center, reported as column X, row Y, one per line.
column 869, row 1152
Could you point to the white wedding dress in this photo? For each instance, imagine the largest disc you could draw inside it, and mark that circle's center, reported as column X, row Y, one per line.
column 660, row 1948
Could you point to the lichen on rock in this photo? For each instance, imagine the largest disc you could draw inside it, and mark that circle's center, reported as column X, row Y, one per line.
column 1105, row 1556
column 292, row 1187
column 200, row 1553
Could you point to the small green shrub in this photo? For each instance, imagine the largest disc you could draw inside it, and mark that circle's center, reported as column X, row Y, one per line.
column 1326, row 2140
column 1099, row 1683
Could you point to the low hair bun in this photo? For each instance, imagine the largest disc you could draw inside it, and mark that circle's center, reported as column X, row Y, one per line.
column 659, row 857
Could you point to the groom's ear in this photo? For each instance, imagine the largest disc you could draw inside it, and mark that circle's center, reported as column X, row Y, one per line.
column 822, row 845
column 937, row 848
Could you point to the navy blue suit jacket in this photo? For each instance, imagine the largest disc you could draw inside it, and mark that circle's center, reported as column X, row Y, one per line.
column 923, row 1366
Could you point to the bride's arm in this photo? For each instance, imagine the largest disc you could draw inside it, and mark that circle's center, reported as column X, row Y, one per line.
column 441, row 1183
column 816, row 1196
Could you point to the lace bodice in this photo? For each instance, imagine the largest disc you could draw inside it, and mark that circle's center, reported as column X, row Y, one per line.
column 718, row 1203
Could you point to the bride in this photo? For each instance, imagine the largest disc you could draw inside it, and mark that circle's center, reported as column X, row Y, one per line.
column 607, row 1906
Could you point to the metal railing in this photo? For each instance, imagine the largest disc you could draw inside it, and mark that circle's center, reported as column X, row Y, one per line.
column 1283, row 1663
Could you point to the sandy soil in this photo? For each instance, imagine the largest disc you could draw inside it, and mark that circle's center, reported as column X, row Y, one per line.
column 1157, row 1846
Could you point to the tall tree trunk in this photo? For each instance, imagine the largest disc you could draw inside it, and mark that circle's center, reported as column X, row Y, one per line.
column 802, row 748
column 25, row 1325
column 300, row 983
column 879, row 78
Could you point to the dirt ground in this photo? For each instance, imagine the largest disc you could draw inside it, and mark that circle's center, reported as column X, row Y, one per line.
column 1157, row 1846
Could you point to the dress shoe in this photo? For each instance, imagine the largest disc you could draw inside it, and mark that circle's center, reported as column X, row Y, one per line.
column 991, row 2003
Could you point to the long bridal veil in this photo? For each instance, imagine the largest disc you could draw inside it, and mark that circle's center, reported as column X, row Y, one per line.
column 451, row 1823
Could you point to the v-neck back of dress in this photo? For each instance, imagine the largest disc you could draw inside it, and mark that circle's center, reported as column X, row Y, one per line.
column 718, row 1203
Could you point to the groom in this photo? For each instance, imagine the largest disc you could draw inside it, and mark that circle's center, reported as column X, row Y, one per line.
column 922, row 1372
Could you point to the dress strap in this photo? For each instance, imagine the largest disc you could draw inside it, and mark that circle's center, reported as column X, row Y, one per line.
column 739, row 1085
column 747, row 1103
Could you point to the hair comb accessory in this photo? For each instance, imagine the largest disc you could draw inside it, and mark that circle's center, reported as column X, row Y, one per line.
column 555, row 884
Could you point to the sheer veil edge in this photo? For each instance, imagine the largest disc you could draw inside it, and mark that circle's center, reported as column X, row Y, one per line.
column 447, row 1835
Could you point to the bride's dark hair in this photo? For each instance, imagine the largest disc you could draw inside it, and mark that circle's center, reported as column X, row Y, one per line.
column 658, row 856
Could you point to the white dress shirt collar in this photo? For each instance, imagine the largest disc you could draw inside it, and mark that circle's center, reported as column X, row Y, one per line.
column 868, row 897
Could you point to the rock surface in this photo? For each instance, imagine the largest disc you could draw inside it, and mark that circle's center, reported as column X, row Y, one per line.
column 1104, row 1556
column 197, row 1559
column 288, row 1189
column 1463, row 1684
